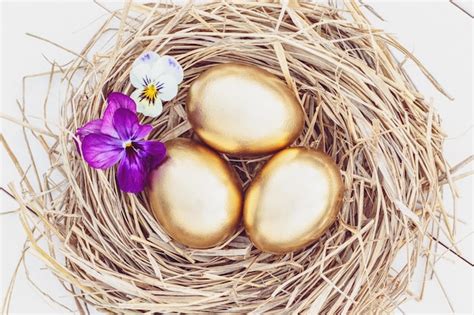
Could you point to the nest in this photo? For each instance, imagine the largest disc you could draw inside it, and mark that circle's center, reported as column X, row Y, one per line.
column 361, row 108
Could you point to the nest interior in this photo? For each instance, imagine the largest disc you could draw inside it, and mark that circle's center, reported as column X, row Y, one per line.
column 361, row 108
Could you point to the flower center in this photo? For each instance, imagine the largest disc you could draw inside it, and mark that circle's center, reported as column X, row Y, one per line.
column 150, row 93
column 127, row 144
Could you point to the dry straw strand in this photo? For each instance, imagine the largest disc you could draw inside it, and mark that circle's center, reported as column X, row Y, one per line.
column 361, row 108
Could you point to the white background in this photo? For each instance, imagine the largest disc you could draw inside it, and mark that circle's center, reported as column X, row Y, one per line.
column 439, row 34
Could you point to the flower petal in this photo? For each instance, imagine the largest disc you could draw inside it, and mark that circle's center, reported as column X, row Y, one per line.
column 146, row 58
column 141, row 103
column 127, row 126
column 142, row 131
column 92, row 126
column 101, row 151
column 141, row 68
column 168, row 65
column 139, row 75
column 153, row 110
column 132, row 173
column 167, row 87
column 115, row 101
column 125, row 123
column 153, row 151
column 146, row 108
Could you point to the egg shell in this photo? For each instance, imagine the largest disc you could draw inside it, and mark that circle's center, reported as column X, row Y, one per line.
column 243, row 110
column 195, row 195
column 293, row 200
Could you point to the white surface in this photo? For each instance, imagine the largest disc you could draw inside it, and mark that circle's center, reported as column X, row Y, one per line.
column 438, row 33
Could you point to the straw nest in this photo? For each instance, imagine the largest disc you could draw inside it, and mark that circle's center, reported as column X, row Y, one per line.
column 361, row 108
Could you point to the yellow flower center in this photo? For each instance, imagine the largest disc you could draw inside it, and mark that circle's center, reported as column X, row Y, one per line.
column 150, row 93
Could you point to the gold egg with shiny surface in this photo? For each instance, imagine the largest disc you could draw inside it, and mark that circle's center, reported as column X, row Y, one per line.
column 195, row 195
column 293, row 200
column 243, row 110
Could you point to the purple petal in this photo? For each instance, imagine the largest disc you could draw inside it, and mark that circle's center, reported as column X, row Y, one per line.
column 127, row 127
column 102, row 151
column 125, row 123
column 132, row 173
column 92, row 126
column 154, row 152
column 142, row 131
column 116, row 100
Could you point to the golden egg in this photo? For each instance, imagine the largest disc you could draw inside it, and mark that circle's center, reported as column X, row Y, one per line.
column 195, row 195
column 293, row 200
column 243, row 110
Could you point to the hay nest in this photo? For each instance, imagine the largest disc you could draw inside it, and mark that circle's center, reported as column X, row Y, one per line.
column 361, row 108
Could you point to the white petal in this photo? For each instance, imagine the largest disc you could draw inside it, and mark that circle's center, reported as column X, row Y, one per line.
column 146, row 108
column 167, row 87
column 138, row 74
column 148, row 58
column 141, row 69
column 153, row 110
column 136, row 97
column 168, row 65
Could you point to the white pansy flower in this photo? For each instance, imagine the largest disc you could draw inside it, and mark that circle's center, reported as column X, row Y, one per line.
column 156, row 79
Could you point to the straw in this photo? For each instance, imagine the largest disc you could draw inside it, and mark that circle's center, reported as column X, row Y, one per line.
column 361, row 108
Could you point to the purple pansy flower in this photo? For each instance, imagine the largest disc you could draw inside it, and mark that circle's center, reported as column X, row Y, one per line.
column 118, row 138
